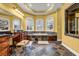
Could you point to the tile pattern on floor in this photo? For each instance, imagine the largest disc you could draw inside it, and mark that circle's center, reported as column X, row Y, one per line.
column 52, row 49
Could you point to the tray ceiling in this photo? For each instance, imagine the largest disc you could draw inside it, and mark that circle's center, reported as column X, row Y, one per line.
column 39, row 8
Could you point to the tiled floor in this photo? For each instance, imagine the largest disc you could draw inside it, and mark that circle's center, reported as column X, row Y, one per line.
column 52, row 49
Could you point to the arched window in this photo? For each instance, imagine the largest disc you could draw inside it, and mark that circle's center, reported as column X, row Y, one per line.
column 39, row 24
column 29, row 24
column 16, row 24
column 4, row 24
column 49, row 23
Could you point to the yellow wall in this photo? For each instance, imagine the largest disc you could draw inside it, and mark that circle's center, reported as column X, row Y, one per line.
column 10, row 9
column 76, row 14
column 59, row 24
column 69, row 41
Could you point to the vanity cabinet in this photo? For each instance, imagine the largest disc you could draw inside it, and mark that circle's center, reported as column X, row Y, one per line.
column 42, row 36
column 17, row 37
column 4, row 46
column 52, row 38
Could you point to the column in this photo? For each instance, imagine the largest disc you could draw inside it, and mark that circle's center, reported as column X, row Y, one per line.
column 44, row 23
column 34, row 23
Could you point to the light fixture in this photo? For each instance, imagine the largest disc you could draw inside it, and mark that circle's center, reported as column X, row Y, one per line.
column 51, row 7
column 30, row 5
column 19, row 12
column 48, row 4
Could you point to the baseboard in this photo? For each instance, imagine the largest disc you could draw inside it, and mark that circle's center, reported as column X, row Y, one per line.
column 59, row 39
column 70, row 49
column 43, row 42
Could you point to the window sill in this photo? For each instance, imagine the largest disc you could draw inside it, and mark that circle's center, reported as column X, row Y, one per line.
column 73, row 35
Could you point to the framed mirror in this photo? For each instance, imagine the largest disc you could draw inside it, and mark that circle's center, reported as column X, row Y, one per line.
column 16, row 25
column 4, row 24
column 39, row 24
column 49, row 23
column 29, row 24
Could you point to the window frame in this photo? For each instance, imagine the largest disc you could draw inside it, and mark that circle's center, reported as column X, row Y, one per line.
column 68, row 12
column 52, row 23
column 8, row 23
column 33, row 23
column 13, row 23
column 43, row 24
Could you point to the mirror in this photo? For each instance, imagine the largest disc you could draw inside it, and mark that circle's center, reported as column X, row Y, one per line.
column 16, row 25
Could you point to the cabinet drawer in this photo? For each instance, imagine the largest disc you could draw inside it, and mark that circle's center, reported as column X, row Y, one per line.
column 2, row 39
column 3, row 45
column 4, row 52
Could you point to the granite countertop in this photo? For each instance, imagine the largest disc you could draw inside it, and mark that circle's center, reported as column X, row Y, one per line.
column 5, row 35
column 42, row 34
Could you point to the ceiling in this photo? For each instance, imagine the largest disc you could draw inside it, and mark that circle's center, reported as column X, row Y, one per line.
column 39, row 8
column 5, row 12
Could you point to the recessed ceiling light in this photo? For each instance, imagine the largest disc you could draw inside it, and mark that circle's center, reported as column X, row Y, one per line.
column 48, row 4
column 30, row 5
column 52, row 6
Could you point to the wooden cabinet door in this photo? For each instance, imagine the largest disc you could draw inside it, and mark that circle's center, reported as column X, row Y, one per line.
column 52, row 38
column 4, row 46
column 4, row 52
